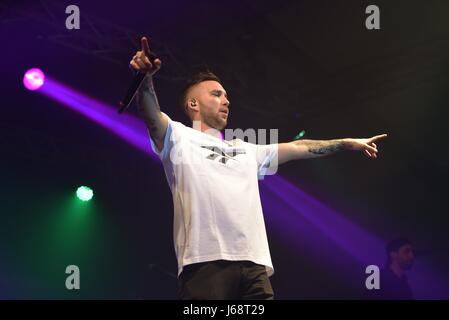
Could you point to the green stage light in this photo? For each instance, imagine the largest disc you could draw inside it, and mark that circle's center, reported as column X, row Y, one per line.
column 300, row 135
column 84, row 193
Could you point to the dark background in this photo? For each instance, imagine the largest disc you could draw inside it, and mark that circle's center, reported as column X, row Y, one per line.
column 291, row 65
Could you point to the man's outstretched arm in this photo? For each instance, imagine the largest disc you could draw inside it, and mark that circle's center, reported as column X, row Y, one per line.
column 306, row 149
column 147, row 102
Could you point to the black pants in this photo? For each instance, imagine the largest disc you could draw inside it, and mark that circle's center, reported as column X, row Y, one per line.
column 224, row 280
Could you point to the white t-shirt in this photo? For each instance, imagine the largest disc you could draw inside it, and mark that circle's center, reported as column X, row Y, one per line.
column 217, row 208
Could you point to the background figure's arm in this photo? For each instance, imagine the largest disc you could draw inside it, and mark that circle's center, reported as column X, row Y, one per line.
column 147, row 102
column 306, row 149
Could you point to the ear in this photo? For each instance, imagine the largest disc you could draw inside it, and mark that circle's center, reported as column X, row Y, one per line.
column 192, row 104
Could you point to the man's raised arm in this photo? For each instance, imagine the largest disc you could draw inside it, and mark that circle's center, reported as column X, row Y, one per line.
column 147, row 102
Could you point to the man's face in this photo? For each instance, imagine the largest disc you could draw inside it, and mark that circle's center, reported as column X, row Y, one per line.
column 213, row 103
column 404, row 256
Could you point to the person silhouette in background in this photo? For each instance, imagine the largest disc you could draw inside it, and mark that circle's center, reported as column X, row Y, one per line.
column 393, row 280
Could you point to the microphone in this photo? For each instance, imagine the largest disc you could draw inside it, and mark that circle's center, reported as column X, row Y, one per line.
column 135, row 84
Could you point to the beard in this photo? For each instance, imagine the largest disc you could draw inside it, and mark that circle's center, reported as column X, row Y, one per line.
column 406, row 265
column 215, row 121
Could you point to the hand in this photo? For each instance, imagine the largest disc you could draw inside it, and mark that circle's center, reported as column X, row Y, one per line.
column 367, row 146
column 140, row 61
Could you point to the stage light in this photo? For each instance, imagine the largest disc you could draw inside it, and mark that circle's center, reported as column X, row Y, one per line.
column 84, row 193
column 300, row 135
column 33, row 79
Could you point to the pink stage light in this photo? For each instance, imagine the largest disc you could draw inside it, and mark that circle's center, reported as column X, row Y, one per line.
column 33, row 79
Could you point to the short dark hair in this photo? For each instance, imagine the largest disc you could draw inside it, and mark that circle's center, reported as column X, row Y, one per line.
column 394, row 245
column 194, row 79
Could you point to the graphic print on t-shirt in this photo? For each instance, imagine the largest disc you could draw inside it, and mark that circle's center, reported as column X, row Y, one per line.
column 222, row 155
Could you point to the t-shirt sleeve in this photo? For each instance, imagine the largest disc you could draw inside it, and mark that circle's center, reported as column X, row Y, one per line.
column 169, row 139
column 267, row 159
column 266, row 156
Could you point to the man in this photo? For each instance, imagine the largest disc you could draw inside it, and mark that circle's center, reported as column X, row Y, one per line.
column 219, row 232
column 393, row 281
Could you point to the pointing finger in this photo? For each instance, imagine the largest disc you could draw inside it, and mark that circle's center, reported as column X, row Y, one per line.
column 381, row 136
column 145, row 46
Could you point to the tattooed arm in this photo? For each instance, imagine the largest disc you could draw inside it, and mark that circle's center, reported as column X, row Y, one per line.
column 147, row 103
column 306, row 149
column 150, row 112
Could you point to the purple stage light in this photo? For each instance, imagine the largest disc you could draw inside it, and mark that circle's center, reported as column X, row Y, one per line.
column 33, row 79
column 357, row 242
column 126, row 127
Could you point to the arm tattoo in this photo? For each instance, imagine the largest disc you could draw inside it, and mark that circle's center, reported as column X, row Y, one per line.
column 147, row 102
column 147, row 85
column 322, row 147
column 148, row 107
